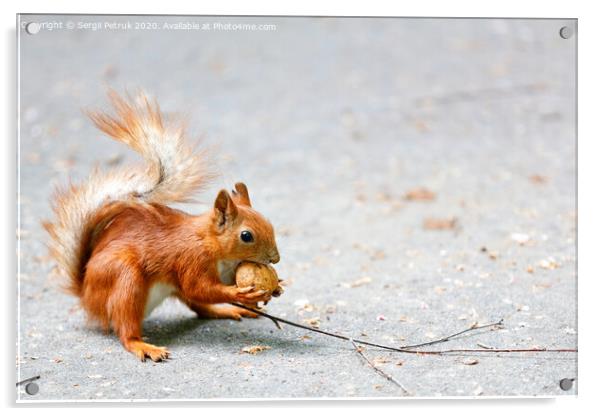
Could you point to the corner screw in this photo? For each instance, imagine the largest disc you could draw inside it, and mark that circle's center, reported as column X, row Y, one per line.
column 566, row 32
column 32, row 28
column 32, row 389
column 566, row 383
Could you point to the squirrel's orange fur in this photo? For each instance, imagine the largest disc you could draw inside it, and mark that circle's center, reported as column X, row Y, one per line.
column 124, row 250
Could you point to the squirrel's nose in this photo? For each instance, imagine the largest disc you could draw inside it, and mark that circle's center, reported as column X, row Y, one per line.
column 275, row 257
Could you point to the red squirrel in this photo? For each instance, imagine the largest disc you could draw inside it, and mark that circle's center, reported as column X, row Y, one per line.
column 124, row 250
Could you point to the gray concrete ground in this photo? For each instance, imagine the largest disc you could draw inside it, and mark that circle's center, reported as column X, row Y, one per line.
column 330, row 122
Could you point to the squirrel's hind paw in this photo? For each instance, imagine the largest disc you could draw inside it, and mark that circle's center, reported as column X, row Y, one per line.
column 142, row 350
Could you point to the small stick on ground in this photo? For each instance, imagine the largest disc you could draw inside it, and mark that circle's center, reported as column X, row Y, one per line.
column 410, row 348
column 275, row 321
column 494, row 350
column 359, row 341
column 389, row 377
column 457, row 334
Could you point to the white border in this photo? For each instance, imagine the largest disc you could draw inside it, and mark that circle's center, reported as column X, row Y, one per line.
column 18, row 22
column 590, row 208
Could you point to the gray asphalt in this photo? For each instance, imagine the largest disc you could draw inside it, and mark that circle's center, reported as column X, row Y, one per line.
column 330, row 122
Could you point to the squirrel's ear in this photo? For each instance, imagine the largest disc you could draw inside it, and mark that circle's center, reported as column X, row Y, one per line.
column 241, row 194
column 224, row 209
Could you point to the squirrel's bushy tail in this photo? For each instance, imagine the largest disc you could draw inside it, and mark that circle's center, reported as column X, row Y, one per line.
column 174, row 172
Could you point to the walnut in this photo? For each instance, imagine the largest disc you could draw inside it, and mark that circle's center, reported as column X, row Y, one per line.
column 262, row 276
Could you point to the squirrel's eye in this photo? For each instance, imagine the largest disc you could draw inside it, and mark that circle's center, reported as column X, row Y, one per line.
column 246, row 236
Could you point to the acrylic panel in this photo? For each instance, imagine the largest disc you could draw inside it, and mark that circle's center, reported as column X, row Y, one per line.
column 419, row 176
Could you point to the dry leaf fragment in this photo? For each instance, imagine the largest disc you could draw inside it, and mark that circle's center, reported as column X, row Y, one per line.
column 301, row 302
column 421, row 126
column 254, row 349
column 439, row 223
column 549, row 264
column 538, row 179
column 378, row 255
column 360, row 197
column 384, row 196
column 313, row 322
column 359, row 282
column 485, row 346
column 540, row 286
column 420, row 194
column 379, row 361
column 307, row 308
column 439, row 289
column 520, row 238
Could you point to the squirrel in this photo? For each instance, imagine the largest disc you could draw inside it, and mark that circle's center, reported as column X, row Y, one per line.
column 124, row 250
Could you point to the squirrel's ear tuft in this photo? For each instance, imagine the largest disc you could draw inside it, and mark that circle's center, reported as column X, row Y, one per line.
column 241, row 194
column 224, row 209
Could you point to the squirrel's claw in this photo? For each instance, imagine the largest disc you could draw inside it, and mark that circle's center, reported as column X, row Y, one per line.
column 248, row 295
column 247, row 289
column 279, row 291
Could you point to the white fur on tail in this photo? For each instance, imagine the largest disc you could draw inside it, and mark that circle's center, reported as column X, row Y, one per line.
column 174, row 171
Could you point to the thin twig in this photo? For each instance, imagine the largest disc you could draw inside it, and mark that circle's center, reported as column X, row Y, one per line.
column 275, row 322
column 494, row 350
column 378, row 370
column 457, row 334
column 272, row 318
column 309, row 328
column 407, row 349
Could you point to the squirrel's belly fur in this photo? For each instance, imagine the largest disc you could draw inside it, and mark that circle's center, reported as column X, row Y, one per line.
column 156, row 295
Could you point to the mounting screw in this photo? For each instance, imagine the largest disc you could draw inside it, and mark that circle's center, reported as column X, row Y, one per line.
column 32, row 28
column 566, row 383
column 566, row 32
column 32, row 389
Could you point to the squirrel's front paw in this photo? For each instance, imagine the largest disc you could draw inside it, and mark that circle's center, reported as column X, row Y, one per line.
column 248, row 295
